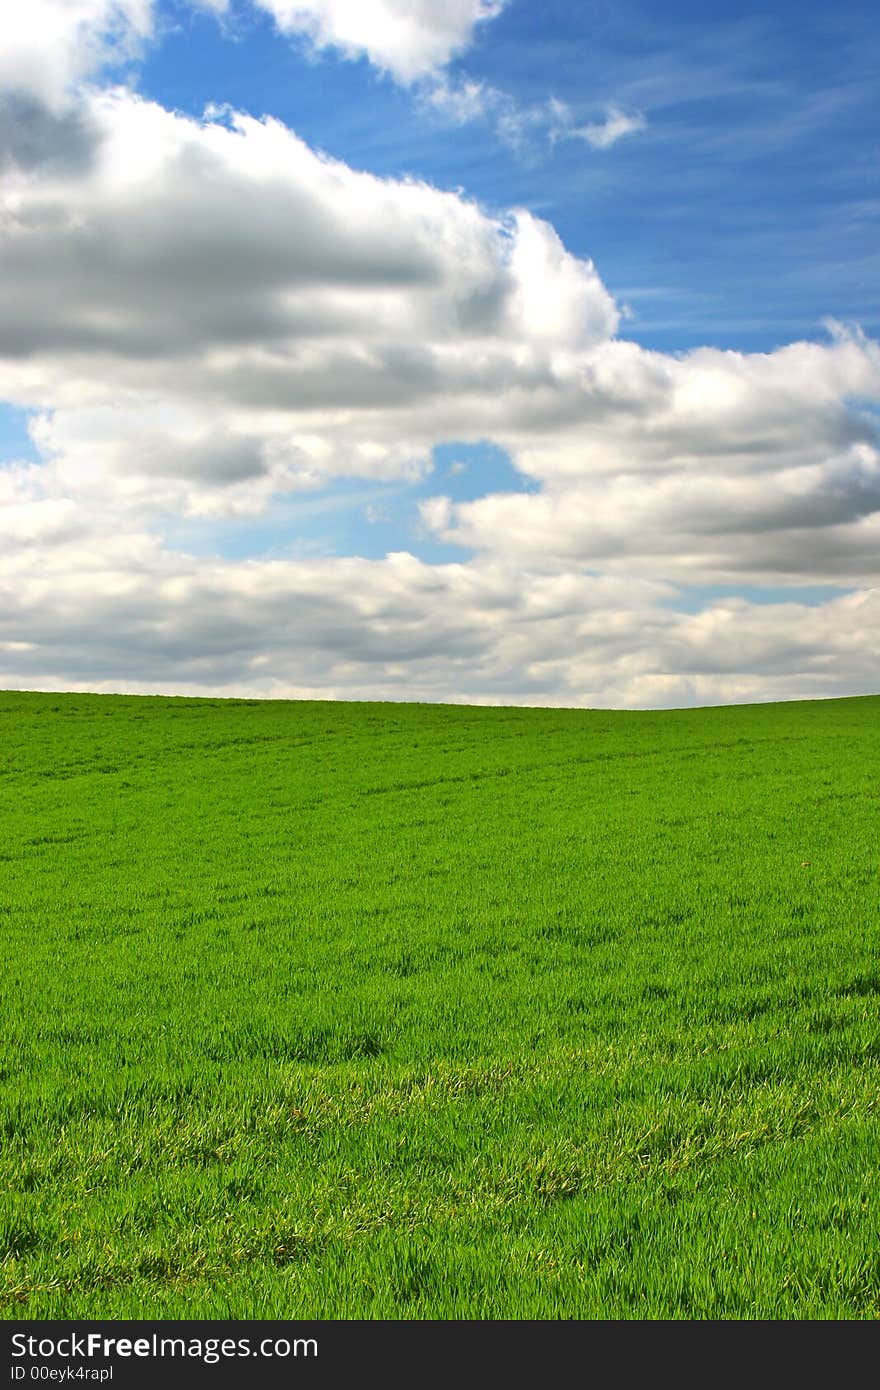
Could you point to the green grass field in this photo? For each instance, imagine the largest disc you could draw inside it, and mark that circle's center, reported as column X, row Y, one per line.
column 409, row 1011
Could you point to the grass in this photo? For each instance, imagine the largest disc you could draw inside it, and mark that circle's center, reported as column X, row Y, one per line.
column 400, row 1011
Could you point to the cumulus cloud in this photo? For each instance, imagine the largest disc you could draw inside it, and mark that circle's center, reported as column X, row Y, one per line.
column 267, row 241
column 33, row 135
column 707, row 467
column 118, row 612
column 204, row 316
column 200, row 278
column 48, row 46
column 410, row 39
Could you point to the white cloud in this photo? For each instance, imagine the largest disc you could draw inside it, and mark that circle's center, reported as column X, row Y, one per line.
column 711, row 467
column 525, row 128
column 117, row 612
column 411, row 39
column 221, row 279
column 601, row 134
column 462, row 101
column 207, row 315
column 47, row 46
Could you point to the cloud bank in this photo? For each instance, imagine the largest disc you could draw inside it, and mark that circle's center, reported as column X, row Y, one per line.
column 207, row 317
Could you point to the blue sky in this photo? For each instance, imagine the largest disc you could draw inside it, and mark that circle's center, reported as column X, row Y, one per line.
column 657, row 231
